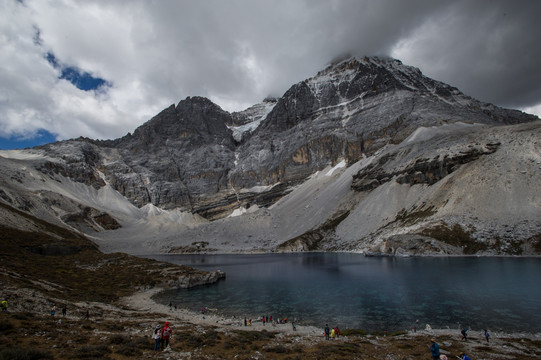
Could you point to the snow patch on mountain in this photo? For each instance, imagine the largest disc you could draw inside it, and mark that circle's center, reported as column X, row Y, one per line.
column 253, row 116
column 341, row 164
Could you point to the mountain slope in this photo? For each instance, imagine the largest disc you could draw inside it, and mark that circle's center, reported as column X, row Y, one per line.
column 368, row 155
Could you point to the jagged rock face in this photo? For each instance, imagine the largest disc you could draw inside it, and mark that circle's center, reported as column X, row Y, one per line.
column 78, row 160
column 175, row 159
column 187, row 157
column 352, row 108
column 420, row 171
column 91, row 219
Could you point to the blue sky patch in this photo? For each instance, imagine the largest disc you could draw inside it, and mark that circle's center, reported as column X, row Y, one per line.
column 81, row 79
column 42, row 137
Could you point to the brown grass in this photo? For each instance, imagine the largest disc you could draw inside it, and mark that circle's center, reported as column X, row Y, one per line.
column 31, row 336
column 456, row 236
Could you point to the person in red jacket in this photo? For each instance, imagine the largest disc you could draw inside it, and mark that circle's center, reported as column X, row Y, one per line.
column 166, row 333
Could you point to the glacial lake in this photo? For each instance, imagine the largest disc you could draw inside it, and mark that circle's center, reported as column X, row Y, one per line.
column 370, row 293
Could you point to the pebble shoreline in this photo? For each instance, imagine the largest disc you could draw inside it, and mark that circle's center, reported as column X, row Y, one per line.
column 142, row 301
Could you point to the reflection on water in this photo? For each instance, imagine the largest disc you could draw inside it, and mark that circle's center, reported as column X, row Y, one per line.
column 353, row 291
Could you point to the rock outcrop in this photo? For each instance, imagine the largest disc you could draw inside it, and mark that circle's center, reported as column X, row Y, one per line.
column 188, row 157
column 421, row 170
column 200, row 278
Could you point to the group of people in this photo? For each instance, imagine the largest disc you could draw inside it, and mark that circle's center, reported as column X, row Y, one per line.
column 435, row 350
column 331, row 333
column 161, row 336
column 436, row 355
column 205, row 310
column 464, row 333
column 64, row 310
column 265, row 319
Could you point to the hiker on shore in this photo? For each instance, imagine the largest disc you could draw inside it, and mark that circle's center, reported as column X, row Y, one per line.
column 464, row 334
column 64, row 310
column 327, row 332
column 4, row 305
column 165, row 333
column 435, row 350
column 157, row 336
column 53, row 310
column 487, row 335
column 464, row 357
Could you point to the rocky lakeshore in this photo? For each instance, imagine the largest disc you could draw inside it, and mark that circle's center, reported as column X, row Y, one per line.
column 123, row 330
column 110, row 314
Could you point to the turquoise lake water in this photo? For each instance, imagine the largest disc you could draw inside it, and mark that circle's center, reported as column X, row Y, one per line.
column 370, row 293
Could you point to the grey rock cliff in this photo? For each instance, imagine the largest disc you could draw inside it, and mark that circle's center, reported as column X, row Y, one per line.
column 195, row 158
column 187, row 157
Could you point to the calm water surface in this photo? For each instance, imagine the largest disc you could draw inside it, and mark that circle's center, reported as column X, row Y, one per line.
column 353, row 291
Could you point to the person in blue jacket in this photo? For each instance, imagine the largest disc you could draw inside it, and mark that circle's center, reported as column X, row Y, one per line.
column 464, row 357
column 435, row 350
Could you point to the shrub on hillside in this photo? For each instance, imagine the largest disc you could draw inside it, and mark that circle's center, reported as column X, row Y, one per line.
column 92, row 351
column 24, row 354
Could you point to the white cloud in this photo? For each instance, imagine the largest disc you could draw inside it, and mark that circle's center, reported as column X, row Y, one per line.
column 535, row 110
column 239, row 51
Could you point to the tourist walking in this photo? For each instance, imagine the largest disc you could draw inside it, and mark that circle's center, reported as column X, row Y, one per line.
column 157, row 336
column 166, row 333
column 64, row 310
column 53, row 310
column 487, row 335
column 435, row 350
column 327, row 332
column 4, row 305
column 464, row 334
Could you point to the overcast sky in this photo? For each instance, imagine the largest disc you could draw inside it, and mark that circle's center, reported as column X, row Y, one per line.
column 101, row 68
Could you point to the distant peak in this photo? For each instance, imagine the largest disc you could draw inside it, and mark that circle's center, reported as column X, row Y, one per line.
column 196, row 99
column 350, row 61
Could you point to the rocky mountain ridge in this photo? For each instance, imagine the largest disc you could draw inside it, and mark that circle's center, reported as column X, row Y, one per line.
column 207, row 170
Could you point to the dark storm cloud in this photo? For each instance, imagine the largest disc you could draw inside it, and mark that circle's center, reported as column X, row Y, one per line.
column 489, row 49
column 239, row 51
column 242, row 51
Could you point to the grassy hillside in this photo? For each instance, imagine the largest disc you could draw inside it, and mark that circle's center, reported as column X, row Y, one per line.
column 67, row 265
